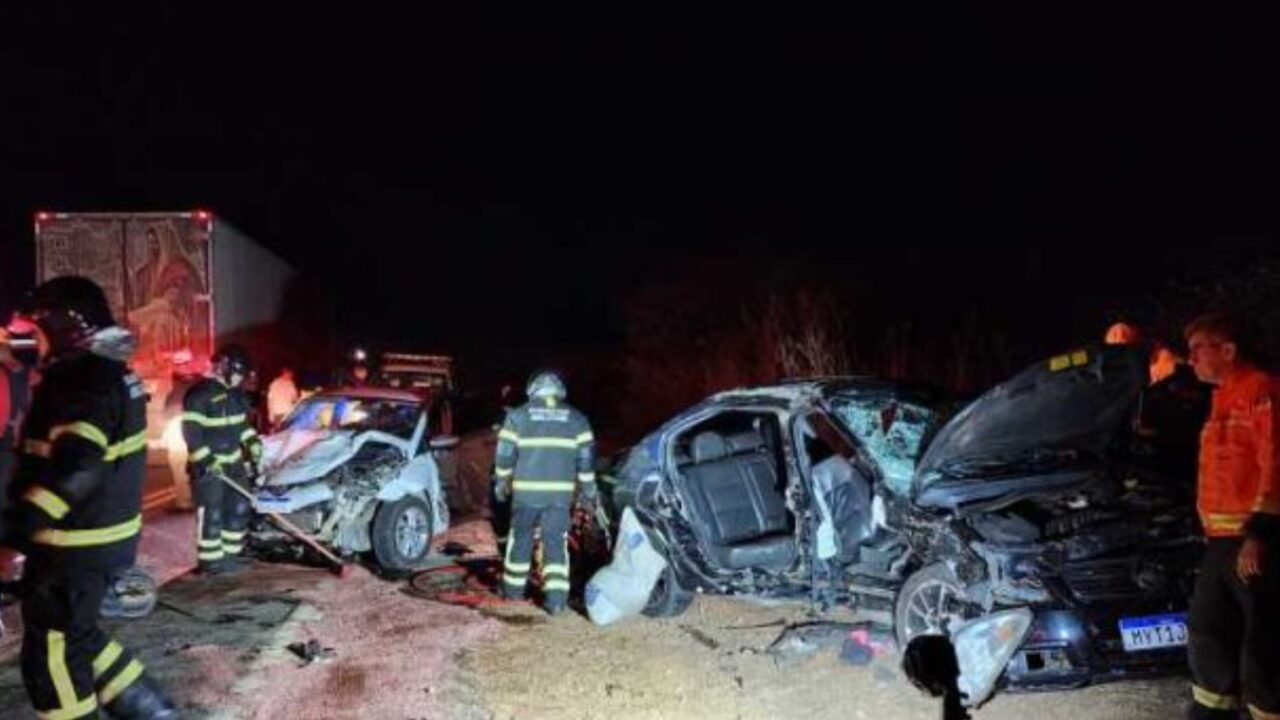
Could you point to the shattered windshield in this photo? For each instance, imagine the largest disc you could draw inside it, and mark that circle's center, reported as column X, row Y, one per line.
column 329, row 412
column 891, row 430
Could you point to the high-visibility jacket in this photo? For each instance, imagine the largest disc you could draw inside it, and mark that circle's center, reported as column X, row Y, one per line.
column 1238, row 490
column 83, row 461
column 215, row 426
column 546, row 449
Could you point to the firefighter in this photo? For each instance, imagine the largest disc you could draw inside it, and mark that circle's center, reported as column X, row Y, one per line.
column 545, row 452
column 220, row 443
column 1235, row 612
column 78, row 511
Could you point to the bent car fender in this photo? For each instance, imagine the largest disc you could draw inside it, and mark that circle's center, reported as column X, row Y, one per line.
column 420, row 477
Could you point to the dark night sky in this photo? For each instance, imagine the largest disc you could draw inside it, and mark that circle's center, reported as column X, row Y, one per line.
column 520, row 173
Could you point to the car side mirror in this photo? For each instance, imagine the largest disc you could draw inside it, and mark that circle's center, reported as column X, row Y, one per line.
column 443, row 442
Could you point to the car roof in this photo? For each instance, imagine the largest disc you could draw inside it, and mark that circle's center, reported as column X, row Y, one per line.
column 790, row 390
column 374, row 393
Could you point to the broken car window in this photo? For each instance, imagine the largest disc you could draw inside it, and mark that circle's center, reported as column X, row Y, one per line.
column 891, row 431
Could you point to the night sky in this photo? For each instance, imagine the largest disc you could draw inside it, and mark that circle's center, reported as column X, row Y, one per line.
column 476, row 183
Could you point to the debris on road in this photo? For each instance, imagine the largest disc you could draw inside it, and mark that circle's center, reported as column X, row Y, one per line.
column 311, row 651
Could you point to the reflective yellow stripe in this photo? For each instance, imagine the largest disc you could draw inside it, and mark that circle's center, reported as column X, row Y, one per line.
column 229, row 535
column 128, row 446
column 46, row 500
column 1260, row 714
column 89, row 538
column 69, row 706
column 80, row 428
column 503, row 472
column 84, row 708
column 206, row 421
column 546, row 442
column 127, row 677
column 585, row 437
column 211, row 554
column 1228, row 522
column 543, row 485
column 39, row 448
column 248, row 434
column 553, row 585
column 201, row 454
column 1213, row 700
column 509, row 435
column 519, row 568
column 230, row 457
column 217, row 543
column 560, row 570
column 108, row 657
column 586, row 477
column 516, row 580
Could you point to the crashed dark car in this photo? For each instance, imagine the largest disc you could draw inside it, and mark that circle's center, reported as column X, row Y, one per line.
column 1044, row 493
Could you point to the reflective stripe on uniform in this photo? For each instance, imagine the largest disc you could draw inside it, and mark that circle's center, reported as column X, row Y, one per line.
column 230, row 457
column 1225, row 522
column 106, row 659
column 69, row 706
column 248, row 434
column 121, row 682
column 557, row 570
column 206, row 421
column 543, row 485
column 509, row 435
column 586, row 477
column 1213, row 700
column 503, row 472
column 211, row 555
column 200, row 454
column 547, row 442
column 81, row 429
column 128, row 446
column 48, row 501
column 1260, row 714
column 555, row 584
column 584, row 438
column 89, row 538
column 39, row 448
column 233, row 535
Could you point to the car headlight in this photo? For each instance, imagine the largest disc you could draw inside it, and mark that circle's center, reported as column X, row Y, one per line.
column 984, row 647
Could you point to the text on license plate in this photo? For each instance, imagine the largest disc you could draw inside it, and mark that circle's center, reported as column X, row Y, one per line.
column 1153, row 632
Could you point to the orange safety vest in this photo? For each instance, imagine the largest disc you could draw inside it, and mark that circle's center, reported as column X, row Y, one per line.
column 1238, row 445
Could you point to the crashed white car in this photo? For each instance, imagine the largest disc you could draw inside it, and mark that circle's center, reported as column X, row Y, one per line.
column 355, row 468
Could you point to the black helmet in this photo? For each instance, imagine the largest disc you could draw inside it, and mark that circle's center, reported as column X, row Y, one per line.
column 68, row 309
column 231, row 360
column 546, row 384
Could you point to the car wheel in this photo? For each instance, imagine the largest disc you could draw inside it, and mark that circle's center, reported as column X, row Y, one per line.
column 931, row 602
column 668, row 598
column 402, row 533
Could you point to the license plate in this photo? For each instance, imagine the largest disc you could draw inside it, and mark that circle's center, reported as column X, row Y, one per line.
column 1153, row 632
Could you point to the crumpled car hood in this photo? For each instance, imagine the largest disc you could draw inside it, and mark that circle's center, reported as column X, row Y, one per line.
column 291, row 457
column 1048, row 417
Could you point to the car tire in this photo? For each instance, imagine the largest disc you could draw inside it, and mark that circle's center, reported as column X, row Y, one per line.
column 923, row 602
column 668, row 598
column 402, row 532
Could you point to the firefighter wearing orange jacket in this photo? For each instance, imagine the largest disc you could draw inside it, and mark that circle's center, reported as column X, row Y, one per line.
column 1235, row 613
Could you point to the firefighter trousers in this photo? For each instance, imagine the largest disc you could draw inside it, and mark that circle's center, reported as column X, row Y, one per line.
column 1235, row 636
column 69, row 665
column 222, row 515
column 554, row 521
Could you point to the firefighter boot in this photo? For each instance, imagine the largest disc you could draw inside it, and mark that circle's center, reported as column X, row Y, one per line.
column 142, row 700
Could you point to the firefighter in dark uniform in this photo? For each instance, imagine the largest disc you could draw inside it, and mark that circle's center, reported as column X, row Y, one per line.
column 1235, row 612
column 220, row 442
column 77, row 514
column 545, row 452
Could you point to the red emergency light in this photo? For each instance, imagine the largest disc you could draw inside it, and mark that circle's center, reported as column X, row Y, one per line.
column 43, row 216
column 202, row 215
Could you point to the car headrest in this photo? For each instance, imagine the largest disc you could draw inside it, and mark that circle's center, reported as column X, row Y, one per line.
column 708, row 446
column 744, row 442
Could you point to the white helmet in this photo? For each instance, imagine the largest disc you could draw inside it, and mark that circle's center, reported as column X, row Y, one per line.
column 546, row 385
